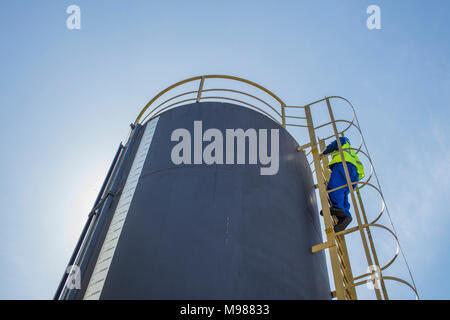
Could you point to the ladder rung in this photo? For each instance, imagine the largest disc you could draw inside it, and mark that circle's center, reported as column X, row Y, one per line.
column 322, row 246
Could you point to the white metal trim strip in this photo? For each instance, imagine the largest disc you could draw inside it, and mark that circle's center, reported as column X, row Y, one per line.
column 105, row 257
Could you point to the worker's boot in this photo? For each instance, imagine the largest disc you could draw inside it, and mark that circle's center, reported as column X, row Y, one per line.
column 342, row 224
column 338, row 212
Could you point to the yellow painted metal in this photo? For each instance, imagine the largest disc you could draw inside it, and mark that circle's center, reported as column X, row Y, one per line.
column 322, row 246
column 343, row 278
column 283, row 115
column 199, row 94
column 337, row 275
column 352, row 195
column 340, row 239
column 202, row 79
column 363, row 226
column 372, row 245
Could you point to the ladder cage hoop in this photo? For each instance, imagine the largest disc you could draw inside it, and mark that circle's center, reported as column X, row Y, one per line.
column 366, row 226
column 362, row 184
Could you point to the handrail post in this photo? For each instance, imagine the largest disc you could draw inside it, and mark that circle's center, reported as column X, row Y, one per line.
column 200, row 88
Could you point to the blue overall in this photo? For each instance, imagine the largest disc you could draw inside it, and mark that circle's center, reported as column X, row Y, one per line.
column 339, row 198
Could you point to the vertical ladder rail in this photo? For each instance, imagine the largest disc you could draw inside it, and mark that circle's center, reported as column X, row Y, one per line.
column 344, row 280
column 372, row 245
column 337, row 275
column 350, row 187
column 341, row 243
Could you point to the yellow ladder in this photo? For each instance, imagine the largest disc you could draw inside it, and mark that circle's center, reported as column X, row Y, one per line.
column 344, row 281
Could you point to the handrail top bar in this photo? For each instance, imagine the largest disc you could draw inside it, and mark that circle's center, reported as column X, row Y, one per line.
column 320, row 100
column 203, row 77
column 199, row 90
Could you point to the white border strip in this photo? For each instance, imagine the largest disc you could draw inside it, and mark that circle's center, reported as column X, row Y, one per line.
column 105, row 257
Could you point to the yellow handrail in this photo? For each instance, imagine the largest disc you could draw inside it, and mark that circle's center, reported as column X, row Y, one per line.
column 200, row 90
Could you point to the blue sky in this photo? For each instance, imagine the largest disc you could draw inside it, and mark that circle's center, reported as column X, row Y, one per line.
column 67, row 97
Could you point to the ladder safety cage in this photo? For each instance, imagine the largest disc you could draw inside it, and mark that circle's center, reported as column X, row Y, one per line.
column 343, row 277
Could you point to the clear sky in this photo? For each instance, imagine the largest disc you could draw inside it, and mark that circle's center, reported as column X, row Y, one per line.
column 67, row 97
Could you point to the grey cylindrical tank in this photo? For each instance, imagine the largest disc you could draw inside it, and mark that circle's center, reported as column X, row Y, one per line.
column 219, row 231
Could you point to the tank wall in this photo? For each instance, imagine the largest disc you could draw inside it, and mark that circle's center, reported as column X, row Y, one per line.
column 198, row 231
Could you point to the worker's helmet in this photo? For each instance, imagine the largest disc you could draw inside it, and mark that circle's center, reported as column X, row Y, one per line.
column 346, row 140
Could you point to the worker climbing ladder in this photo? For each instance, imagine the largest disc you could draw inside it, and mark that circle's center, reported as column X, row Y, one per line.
column 345, row 282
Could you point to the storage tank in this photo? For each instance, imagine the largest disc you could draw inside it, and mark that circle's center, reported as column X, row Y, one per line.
column 238, row 228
